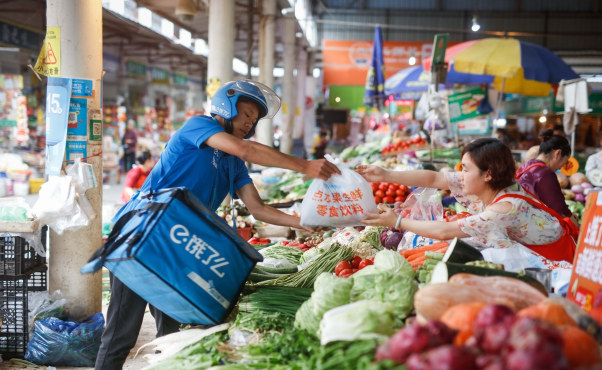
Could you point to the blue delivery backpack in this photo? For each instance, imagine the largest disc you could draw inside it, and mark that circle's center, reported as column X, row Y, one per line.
column 179, row 256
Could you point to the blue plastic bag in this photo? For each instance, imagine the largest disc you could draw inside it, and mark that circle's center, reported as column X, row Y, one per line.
column 66, row 343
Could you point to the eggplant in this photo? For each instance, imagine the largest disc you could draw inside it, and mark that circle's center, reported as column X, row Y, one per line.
column 461, row 252
column 445, row 270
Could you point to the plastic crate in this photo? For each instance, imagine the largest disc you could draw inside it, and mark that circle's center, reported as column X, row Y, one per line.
column 14, row 331
column 37, row 282
column 17, row 257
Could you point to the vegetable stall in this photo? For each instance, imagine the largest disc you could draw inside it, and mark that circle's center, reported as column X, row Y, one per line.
column 352, row 301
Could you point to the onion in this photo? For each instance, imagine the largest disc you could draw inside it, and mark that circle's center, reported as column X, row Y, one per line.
column 577, row 189
column 579, row 198
column 587, row 185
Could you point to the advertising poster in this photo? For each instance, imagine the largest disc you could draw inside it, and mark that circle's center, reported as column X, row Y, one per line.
column 58, row 94
column 82, row 88
column 466, row 104
column 78, row 117
column 76, row 149
column 585, row 287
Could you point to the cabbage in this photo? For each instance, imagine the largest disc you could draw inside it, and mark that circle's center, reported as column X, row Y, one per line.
column 360, row 320
column 397, row 289
column 388, row 260
column 305, row 319
column 330, row 292
column 363, row 285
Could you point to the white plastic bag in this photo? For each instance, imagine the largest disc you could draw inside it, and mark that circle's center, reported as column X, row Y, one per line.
column 343, row 200
column 82, row 174
column 521, row 257
column 423, row 204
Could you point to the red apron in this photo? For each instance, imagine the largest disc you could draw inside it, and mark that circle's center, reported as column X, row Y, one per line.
column 573, row 228
column 562, row 249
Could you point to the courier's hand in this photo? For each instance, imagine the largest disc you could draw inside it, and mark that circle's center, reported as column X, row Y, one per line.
column 321, row 169
column 388, row 218
column 372, row 173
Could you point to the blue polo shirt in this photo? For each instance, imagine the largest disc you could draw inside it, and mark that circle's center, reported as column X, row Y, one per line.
column 188, row 162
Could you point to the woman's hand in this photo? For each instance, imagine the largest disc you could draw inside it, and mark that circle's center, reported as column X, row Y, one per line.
column 372, row 173
column 388, row 218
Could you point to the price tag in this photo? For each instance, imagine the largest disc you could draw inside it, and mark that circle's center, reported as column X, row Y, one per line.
column 58, row 94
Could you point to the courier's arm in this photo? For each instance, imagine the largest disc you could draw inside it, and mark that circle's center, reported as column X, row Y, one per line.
column 262, row 212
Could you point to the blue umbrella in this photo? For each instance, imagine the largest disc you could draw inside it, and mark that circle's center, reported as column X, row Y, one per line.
column 412, row 82
column 375, row 80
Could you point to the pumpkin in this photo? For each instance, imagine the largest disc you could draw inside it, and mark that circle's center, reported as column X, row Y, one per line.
column 461, row 317
column 580, row 348
column 553, row 313
column 577, row 179
column 571, row 167
column 562, row 180
column 458, row 167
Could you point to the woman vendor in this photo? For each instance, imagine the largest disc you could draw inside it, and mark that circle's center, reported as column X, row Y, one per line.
column 538, row 175
column 503, row 213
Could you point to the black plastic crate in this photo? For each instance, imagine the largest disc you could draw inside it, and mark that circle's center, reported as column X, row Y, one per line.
column 37, row 281
column 17, row 257
column 14, row 331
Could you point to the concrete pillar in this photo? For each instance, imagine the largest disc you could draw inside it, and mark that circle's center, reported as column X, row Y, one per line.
column 267, row 43
column 300, row 94
column 288, row 101
column 221, row 41
column 81, row 57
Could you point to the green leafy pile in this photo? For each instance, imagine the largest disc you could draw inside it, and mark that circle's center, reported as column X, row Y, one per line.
column 198, row 356
column 282, row 252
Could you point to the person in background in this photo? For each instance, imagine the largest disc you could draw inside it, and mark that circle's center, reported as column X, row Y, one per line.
column 538, row 175
column 503, row 214
column 503, row 136
column 321, row 144
column 129, row 141
column 558, row 131
column 137, row 175
column 594, row 161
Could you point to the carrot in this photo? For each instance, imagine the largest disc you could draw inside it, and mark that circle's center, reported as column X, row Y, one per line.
column 421, row 250
column 418, row 262
column 415, row 256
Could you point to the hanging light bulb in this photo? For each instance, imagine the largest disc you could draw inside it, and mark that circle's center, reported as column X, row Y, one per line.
column 475, row 24
column 412, row 61
column 543, row 119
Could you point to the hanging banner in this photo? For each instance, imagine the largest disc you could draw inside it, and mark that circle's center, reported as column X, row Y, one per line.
column 135, row 68
column 375, row 78
column 58, row 94
column 49, row 60
column 159, row 76
column 466, row 104
column 585, row 287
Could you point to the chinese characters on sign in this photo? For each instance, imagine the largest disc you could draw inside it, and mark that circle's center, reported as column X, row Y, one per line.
column 337, row 204
column 198, row 248
column 49, row 60
column 585, row 287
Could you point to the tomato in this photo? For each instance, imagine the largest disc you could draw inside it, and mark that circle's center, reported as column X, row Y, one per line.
column 404, row 188
column 399, row 192
column 383, row 187
column 285, row 242
column 399, row 199
column 379, row 193
column 355, row 270
column 394, row 187
column 389, row 200
column 341, row 266
column 365, row 263
column 377, row 200
column 374, row 186
column 390, row 193
column 347, row 272
column 355, row 262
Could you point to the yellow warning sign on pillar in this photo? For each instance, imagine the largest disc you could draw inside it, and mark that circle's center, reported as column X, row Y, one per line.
column 49, row 60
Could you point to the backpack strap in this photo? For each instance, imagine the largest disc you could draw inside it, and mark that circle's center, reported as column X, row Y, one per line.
column 231, row 175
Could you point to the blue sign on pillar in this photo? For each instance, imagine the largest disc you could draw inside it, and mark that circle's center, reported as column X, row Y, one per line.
column 58, row 94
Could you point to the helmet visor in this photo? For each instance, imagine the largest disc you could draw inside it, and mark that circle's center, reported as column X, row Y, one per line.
column 269, row 96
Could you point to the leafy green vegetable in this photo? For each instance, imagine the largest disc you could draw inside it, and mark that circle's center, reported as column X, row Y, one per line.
column 576, row 208
column 359, row 320
column 397, row 289
column 198, row 356
column 306, row 319
column 311, row 253
column 330, row 292
column 263, row 321
column 388, row 260
column 282, row 252
column 371, row 235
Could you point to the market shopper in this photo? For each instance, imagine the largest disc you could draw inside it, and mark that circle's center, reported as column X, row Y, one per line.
column 538, row 175
column 137, row 175
column 503, row 213
column 194, row 158
column 129, row 141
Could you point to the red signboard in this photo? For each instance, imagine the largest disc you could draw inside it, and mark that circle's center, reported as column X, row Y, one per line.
column 585, row 287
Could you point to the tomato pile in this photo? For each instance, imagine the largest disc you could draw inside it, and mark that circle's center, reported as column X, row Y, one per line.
column 389, row 193
column 345, row 269
column 403, row 145
column 257, row 241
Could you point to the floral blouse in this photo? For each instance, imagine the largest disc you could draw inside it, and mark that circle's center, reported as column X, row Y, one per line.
column 524, row 224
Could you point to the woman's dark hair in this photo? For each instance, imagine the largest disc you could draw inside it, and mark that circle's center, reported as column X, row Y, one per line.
column 143, row 157
column 551, row 143
column 492, row 155
column 246, row 99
